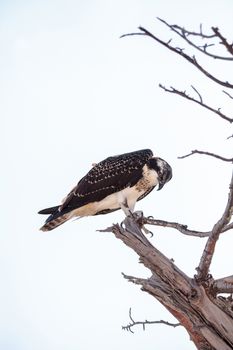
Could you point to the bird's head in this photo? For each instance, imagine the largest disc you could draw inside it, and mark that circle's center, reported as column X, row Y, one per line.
column 163, row 170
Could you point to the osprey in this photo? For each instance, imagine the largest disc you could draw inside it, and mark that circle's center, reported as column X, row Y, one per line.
column 116, row 182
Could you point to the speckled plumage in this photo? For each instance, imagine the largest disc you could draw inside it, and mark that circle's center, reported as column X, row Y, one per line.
column 114, row 183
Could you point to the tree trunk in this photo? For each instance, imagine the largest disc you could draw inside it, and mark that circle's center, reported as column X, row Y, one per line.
column 207, row 318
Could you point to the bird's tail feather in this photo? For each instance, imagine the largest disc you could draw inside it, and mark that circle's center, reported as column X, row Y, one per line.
column 56, row 217
column 54, row 221
column 50, row 210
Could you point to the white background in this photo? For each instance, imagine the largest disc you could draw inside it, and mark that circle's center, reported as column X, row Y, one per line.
column 73, row 93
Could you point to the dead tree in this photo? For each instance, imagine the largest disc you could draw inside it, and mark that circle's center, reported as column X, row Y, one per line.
column 194, row 301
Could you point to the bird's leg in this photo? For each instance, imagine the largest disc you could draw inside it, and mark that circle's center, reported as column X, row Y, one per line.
column 126, row 210
column 138, row 215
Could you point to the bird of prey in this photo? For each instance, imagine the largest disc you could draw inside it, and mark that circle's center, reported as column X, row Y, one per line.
column 117, row 182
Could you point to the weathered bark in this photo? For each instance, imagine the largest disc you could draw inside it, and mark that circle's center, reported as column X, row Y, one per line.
column 207, row 319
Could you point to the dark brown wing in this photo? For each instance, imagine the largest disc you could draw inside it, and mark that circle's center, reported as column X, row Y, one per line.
column 109, row 176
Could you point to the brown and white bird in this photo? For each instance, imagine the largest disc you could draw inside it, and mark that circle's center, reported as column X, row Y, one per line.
column 115, row 183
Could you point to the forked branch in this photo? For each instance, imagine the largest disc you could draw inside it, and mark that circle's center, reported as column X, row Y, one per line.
column 186, row 34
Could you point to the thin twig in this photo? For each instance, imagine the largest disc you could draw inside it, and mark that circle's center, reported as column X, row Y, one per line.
column 132, row 34
column 200, row 101
column 227, row 93
column 184, row 34
column 207, row 255
column 199, row 95
column 133, row 323
column 208, row 154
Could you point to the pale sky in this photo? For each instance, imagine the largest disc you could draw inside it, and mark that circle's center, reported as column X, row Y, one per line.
column 73, row 93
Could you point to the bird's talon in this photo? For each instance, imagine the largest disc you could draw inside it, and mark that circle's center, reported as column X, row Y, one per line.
column 146, row 231
column 138, row 217
column 122, row 225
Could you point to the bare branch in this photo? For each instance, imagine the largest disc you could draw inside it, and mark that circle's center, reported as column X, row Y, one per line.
column 184, row 34
column 207, row 255
column 224, row 42
column 133, row 323
column 223, row 285
column 199, row 95
column 227, row 93
column 179, row 227
column 133, row 279
column 208, row 154
column 200, row 101
column 182, row 228
column 180, row 52
column 132, row 34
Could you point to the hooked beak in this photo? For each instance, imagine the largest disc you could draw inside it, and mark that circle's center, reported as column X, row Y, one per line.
column 161, row 184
